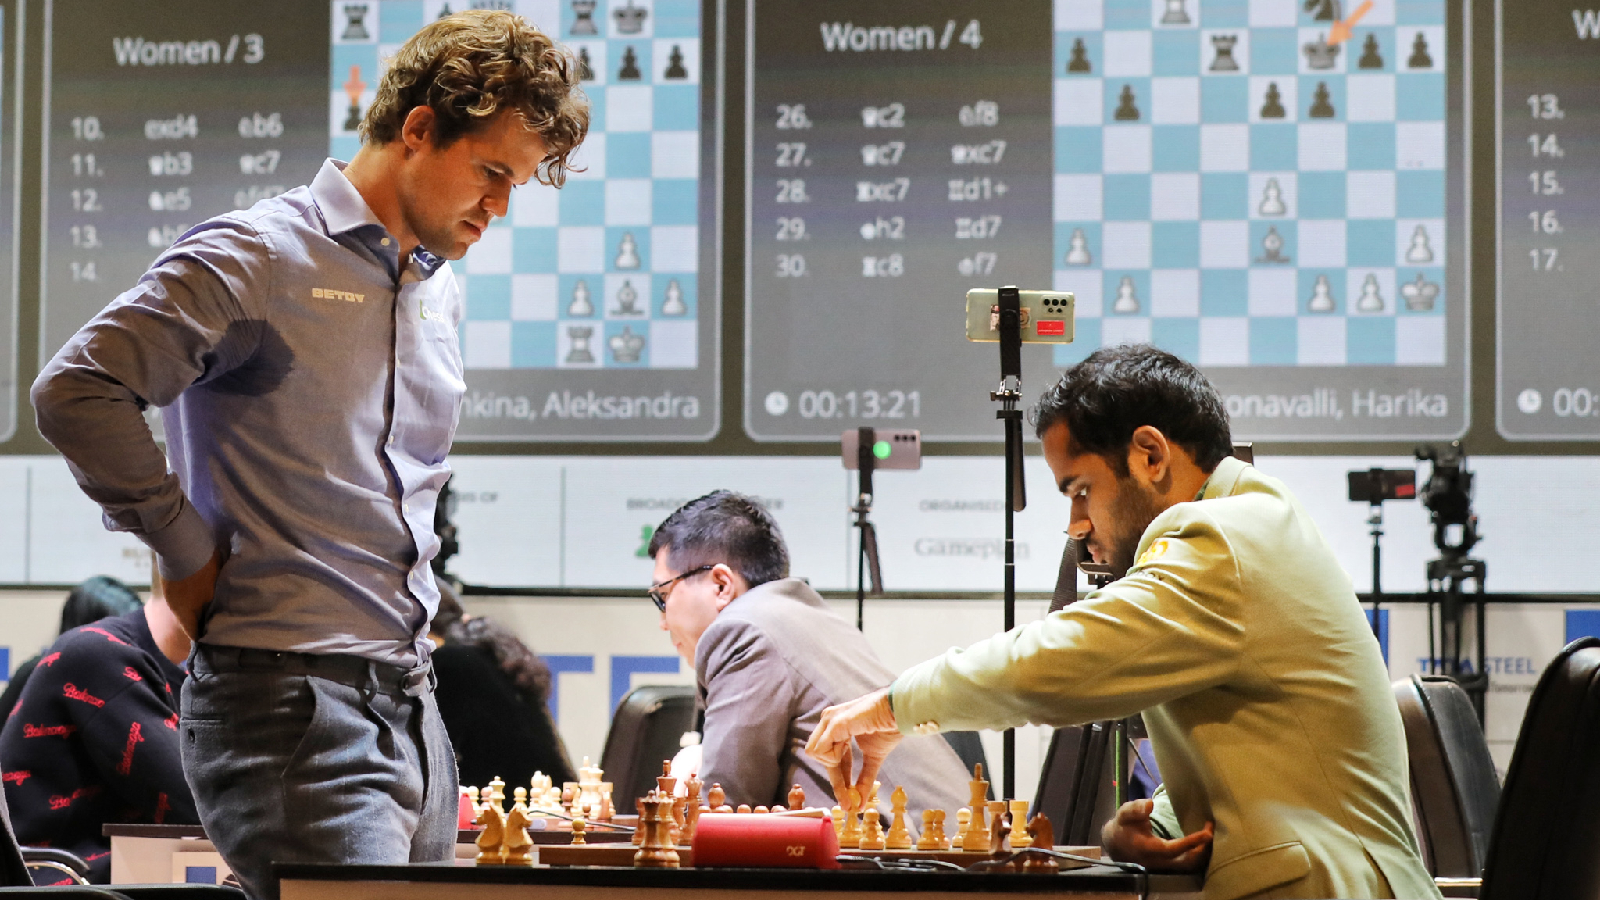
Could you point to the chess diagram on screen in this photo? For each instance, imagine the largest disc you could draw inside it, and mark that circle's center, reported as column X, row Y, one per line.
column 1253, row 182
column 603, row 273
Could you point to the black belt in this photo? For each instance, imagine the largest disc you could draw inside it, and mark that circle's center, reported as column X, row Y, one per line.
column 352, row 671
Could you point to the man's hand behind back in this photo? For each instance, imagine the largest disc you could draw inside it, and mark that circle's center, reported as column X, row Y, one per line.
column 1131, row 838
column 188, row 597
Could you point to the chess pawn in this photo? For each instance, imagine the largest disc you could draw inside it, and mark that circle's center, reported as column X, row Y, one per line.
column 1127, row 302
column 585, row 65
column 579, row 829
column 718, row 799
column 940, row 838
column 899, row 836
column 836, row 815
column 762, row 810
column 1370, row 300
column 963, row 825
column 1272, row 105
column 569, row 794
column 1272, row 199
column 1321, row 296
column 872, row 837
column 627, row 252
column 630, row 66
column 673, row 305
column 581, row 306
column 491, row 839
column 1079, row 63
column 1419, row 54
column 1370, row 57
column 797, row 797
column 850, row 834
column 518, row 845
column 1127, row 106
column 1420, row 251
column 744, row 809
column 929, row 839
column 675, row 68
column 1322, row 103
column 1020, row 838
column 1078, row 250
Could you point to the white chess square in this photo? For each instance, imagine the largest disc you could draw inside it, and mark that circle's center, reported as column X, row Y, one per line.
column 1175, row 196
column 590, row 157
column 1175, row 101
column 1273, row 13
column 1419, row 145
column 1224, row 148
column 1120, row 330
column 661, row 56
column 1320, row 341
column 1079, row 101
column 630, row 107
column 1381, row 300
column 488, row 345
column 1079, row 15
column 1339, row 53
column 1272, row 292
column 1322, row 146
column 1369, row 195
column 1125, row 245
column 1175, row 292
column 1224, row 341
column 676, row 248
column 1288, row 195
column 1126, row 54
column 1224, row 244
column 1419, row 341
column 622, row 22
column 491, row 255
column 1078, row 198
column 1288, row 96
column 1087, row 287
column 1240, row 53
column 1126, row 149
column 534, row 298
column 536, row 205
column 580, row 249
column 1419, row 242
column 674, row 154
column 1369, row 98
column 544, row 13
column 674, row 345
column 1322, row 243
column 628, row 201
column 625, row 297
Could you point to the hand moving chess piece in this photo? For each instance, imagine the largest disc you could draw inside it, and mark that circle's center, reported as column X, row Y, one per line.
column 850, row 804
column 899, row 836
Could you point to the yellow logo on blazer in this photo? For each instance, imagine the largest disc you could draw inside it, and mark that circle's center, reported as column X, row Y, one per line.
column 1154, row 550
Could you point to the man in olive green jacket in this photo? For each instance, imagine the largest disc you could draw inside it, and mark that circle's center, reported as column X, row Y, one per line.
column 1232, row 627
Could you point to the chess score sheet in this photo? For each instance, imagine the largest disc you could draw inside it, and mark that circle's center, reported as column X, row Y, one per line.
column 1254, row 183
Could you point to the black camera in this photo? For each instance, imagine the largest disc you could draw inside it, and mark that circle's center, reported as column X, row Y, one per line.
column 1377, row 485
column 1448, row 496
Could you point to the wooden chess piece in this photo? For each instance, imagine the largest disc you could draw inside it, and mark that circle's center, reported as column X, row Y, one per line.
column 797, row 797
column 928, row 840
column 762, row 810
column 608, row 809
column 638, row 827
column 977, row 835
column 744, row 809
column 836, row 815
column 692, row 810
column 999, row 830
column 899, row 836
column 963, row 823
column 1042, row 836
column 518, row 845
column 579, row 829
column 497, row 794
column 872, row 837
column 680, row 819
column 1020, row 838
column 718, row 799
column 491, row 839
column 850, row 835
column 655, row 849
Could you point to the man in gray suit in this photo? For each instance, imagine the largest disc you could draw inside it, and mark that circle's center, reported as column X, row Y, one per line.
column 769, row 655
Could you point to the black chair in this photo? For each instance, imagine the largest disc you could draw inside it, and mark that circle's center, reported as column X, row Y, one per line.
column 1453, row 781
column 1546, row 839
column 646, row 729
column 1075, row 787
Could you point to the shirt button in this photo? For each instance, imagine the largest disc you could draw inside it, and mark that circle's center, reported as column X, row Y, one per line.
column 390, row 441
column 929, row 727
column 384, row 242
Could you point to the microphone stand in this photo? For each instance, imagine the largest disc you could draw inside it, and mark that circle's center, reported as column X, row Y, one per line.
column 867, row 558
column 1008, row 394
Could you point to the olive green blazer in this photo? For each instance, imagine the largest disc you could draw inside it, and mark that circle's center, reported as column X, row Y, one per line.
column 1240, row 638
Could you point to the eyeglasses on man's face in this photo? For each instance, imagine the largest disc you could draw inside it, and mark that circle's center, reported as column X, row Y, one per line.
column 658, row 592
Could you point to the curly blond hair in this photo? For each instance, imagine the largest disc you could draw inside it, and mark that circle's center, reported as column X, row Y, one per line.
column 470, row 66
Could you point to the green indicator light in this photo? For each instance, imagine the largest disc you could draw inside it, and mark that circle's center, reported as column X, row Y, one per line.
column 881, row 449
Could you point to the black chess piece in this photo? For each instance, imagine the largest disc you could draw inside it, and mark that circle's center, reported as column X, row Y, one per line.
column 1273, row 107
column 444, row 10
column 352, row 118
column 1321, row 102
column 1079, row 63
column 630, row 66
column 585, row 69
column 675, row 69
column 1419, row 54
column 1324, row 10
column 1370, row 57
column 1127, row 111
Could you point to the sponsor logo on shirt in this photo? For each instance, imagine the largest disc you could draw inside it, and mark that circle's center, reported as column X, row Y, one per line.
column 171, row 721
column 33, row 731
column 74, row 692
column 135, row 738
column 1159, row 548
column 17, row 777
column 50, row 660
column 163, row 806
column 106, row 634
column 331, row 294
column 62, row 802
column 131, row 674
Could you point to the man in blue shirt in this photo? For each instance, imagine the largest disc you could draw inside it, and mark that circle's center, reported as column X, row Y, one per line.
column 305, row 355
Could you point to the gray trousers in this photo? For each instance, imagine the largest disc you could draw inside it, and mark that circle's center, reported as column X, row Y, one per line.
column 309, row 758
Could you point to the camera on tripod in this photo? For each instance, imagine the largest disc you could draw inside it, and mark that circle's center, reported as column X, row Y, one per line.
column 1447, row 494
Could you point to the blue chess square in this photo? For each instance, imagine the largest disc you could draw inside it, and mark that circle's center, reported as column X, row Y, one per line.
column 628, row 154
column 1274, row 51
column 1079, row 150
column 1322, row 195
column 1370, row 145
column 1370, row 341
column 1420, row 97
column 1175, row 245
column 1274, row 146
column 1225, row 14
column 1175, row 52
column 677, row 18
column 1420, row 194
column 533, row 249
column 1127, row 197
column 488, row 296
column 1085, row 340
column 400, row 19
column 1224, row 292
column 533, row 345
column 1175, row 148
column 1419, row 12
column 676, row 201
column 1224, row 100
column 1225, row 195
column 677, row 107
column 1274, row 341
column 583, row 203
column 1178, row 336
column 1370, row 242
column 1123, row 15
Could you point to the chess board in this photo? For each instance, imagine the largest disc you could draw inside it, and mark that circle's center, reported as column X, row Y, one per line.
column 1235, row 188
column 602, row 274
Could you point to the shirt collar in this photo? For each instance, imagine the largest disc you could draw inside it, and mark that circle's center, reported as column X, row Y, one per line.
column 344, row 210
column 1224, row 478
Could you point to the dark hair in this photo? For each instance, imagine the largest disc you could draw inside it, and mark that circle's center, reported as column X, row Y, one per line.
column 1117, row 389
column 470, row 66
column 97, row 598
column 724, row 527
column 519, row 663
